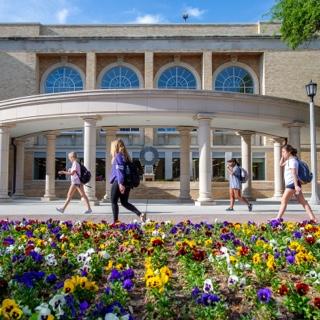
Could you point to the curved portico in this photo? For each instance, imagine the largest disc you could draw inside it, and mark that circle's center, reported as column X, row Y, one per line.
column 186, row 109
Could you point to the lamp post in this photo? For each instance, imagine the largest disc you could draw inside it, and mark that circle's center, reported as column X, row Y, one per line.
column 311, row 89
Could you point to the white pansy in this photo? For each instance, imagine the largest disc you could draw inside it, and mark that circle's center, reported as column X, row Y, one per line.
column 37, row 249
column 273, row 243
column 26, row 311
column 168, row 222
column 43, row 310
column 155, row 233
column 51, row 260
column 163, row 236
column 233, row 280
column 57, row 303
column 10, row 248
column 90, row 251
column 208, row 286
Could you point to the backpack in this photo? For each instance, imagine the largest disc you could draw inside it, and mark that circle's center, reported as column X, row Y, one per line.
column 85, row 174
column 132, row 177
column 304, row 174
column 243, row 177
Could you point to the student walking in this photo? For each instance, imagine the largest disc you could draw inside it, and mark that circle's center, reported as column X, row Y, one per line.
column 235, row 184
column 119, row 189
column 292, row 181
column 74, row 172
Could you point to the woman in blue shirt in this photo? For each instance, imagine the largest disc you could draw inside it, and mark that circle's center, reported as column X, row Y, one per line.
column 119, row 190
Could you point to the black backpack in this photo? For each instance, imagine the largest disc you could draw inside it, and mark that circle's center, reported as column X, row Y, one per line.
column 132, row 177
column 85, row 174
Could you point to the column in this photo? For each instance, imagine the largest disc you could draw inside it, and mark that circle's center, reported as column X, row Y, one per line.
column 278, row 176
column 185, row 140
column 207, row 70
column 168, row 165
column 148, row 136
column 91, row 67
column 205, row 161
column 19, row 188
column 148, row 69
column 50, row 188
column 111, row 135
column 90, row 141
column 294, row 135
column 246, row 158
column 4, row 162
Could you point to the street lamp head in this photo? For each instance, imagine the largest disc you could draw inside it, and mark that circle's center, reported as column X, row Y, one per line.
column 311, row 89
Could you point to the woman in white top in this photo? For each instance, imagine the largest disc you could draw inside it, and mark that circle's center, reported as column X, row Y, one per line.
column 293, row 185
column 74, row 172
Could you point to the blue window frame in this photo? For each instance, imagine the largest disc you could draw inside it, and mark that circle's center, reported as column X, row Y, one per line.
column 234, row 79
column 177, row 78
column 63, row 79
column 120, row 77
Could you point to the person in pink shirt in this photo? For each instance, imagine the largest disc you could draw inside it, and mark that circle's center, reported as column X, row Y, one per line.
column 74, row 172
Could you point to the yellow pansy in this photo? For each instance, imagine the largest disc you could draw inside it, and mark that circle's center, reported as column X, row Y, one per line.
column 270, row 263
column 109, row 266
column 208, row 242
column 68, row 286
column 256, row 258
column 233, row 259
column 15, row 313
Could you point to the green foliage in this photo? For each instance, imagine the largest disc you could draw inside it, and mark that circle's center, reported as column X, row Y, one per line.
column 300, row 20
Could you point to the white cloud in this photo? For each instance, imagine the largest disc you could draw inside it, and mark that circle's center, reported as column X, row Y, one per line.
column 43, row 11
column 194, row 12
column 62, row 15
column 149, row 19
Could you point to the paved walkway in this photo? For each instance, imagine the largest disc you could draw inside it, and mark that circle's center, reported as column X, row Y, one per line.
column 156, row 210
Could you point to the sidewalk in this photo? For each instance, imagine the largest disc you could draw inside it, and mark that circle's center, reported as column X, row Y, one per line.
column 161, row 210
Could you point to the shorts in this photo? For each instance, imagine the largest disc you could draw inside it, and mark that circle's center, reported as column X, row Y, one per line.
column 77, row 185
column 291, row 186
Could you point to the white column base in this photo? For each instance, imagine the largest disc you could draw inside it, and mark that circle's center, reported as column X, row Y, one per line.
column 4, row 198
column 204, row 202
column 18, row 195
column 314, row 200
column 49, row 198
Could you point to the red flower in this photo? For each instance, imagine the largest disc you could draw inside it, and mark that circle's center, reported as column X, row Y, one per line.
column 302, row 288
column 157, row 242
column 316, row 302
column 310, row 239
column 198, row 255
column 86, row 234
column 283, row 290
column 244, row 251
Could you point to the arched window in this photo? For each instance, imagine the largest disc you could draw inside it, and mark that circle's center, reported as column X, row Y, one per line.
column 177, row 77
column 120, row 77
column 234, row 79
column 63, row 79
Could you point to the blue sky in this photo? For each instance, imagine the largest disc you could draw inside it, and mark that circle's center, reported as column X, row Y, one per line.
column 133, row 11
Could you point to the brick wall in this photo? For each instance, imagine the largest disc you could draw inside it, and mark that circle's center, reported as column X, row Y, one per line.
column 287, row 73
column 18, row 75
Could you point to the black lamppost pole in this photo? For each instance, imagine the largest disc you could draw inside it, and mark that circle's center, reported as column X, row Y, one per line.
column 311, row 89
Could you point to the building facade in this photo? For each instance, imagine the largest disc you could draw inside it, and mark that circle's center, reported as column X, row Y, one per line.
column 198, row 94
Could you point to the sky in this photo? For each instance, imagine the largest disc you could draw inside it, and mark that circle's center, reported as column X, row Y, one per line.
column 133, row 11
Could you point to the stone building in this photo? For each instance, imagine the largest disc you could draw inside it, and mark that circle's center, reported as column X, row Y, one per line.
column 198, row 94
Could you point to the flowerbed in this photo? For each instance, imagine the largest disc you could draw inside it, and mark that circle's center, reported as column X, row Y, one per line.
column 63, row 270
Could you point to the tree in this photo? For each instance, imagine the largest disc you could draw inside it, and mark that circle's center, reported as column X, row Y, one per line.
column 300, row 20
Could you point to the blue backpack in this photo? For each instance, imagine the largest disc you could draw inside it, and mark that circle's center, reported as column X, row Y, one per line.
column 304, row 174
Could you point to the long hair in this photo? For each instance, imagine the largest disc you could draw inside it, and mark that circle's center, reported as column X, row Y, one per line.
column 117, row 146
column 290, row 149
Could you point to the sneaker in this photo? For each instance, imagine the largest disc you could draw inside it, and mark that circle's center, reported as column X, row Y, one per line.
column 143, row 217
column 250, row 207
column 229, row 209
column 60, row 210
column 88, row 211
